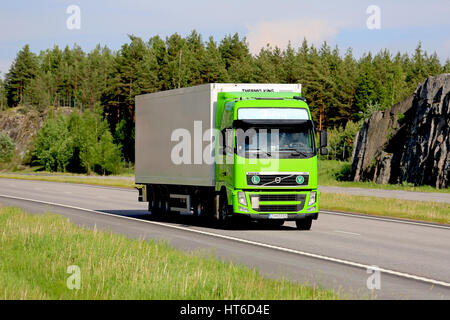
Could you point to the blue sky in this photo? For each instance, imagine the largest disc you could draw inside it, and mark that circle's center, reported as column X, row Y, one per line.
column 42, row 24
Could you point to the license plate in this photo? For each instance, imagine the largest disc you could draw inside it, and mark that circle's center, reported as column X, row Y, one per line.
column 278, row 216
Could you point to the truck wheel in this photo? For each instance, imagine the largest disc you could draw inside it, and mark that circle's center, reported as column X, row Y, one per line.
column 304, row 224
column 224, row 212
column 199, row 211
column 154, row 205
column 165, row 207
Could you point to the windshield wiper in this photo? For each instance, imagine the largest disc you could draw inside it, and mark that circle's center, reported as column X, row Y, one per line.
column 296, row 153
column 259, row 150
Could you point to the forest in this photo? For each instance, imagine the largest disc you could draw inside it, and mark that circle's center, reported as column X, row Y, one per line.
column 100, row 85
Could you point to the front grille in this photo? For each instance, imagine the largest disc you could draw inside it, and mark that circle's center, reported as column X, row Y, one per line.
column 279, row 208
column 282, row 197
column 271, row 180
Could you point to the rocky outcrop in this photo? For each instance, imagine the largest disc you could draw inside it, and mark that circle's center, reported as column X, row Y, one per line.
column 22, row 124
column 409, row 142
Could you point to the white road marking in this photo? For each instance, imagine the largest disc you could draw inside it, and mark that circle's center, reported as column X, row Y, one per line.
column 371, row 217
column 302, row 253
column 346, row 232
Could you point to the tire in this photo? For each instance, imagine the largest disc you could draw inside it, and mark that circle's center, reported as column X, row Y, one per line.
column 199, row 211
column 153, row 205
column 304, row 224
column 165, row 207
column 224, row 211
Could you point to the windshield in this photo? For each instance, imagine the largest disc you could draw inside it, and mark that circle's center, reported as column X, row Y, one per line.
column 277, row 143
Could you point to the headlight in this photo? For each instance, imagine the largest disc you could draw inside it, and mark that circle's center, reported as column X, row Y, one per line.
column 312, row 198
column 242, row 199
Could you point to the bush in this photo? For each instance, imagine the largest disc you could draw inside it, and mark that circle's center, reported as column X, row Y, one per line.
column 7, row 148
column 370, row 109
column 343, row 174
column 340, row 138
column 54, row 145
column 79, row 142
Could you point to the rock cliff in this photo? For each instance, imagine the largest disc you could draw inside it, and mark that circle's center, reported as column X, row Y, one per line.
column 409, row 142
column 22, row 125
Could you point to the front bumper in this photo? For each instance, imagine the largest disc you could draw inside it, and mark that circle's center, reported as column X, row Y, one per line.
column 292, row 205
column 290, row 217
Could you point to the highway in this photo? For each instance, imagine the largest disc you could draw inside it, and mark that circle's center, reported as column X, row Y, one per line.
column 414, row 258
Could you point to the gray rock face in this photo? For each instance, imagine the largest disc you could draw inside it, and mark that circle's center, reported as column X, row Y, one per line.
column 409, row 142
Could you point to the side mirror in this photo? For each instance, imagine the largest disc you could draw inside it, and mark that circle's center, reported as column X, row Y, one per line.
column 323, row 151
column 323, row 139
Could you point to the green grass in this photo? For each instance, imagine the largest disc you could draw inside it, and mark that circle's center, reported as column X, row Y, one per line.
column 94, row 180
column 413, row 210
column 328, row 169
column 36, row 251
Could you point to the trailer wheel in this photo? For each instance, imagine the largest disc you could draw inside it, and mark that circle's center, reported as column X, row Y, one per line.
column 154, row 205
column 199, row 211
column 165, row 207
column 304, row 224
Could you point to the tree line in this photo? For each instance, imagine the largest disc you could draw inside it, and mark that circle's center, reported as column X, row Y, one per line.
column 338, row 86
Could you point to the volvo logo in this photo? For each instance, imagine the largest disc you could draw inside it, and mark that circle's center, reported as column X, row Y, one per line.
column 277, row 180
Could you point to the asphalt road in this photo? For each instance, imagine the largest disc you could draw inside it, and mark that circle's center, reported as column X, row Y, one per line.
column 414, row 258
column 379, row 193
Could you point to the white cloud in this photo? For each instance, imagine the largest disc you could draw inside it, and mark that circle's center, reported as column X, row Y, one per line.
column 280, row 32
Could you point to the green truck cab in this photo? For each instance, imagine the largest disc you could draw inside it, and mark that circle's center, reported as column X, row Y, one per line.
column 267, row 179
column 229, row 150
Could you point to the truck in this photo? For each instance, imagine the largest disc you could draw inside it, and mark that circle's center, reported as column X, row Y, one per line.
column 225, row 150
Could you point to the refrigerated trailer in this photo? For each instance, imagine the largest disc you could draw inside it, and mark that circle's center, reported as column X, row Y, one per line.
column 224, row 150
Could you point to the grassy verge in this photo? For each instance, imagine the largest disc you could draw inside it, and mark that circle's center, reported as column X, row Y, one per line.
column 329, row 170
column 36, row 251
column 110, row 182
column 415, row 210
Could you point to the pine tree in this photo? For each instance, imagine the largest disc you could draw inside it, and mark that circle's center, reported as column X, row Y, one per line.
column 134, row 72
column 196, row 50
column 265, row 68
column 22, row 71
column 346, row 81
column 158, row 48
column 365, row 92
column 3, row 102
column 319, row 85
column 446, row 67
column 238, row 60
column 212, row 65
column 291, row 65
